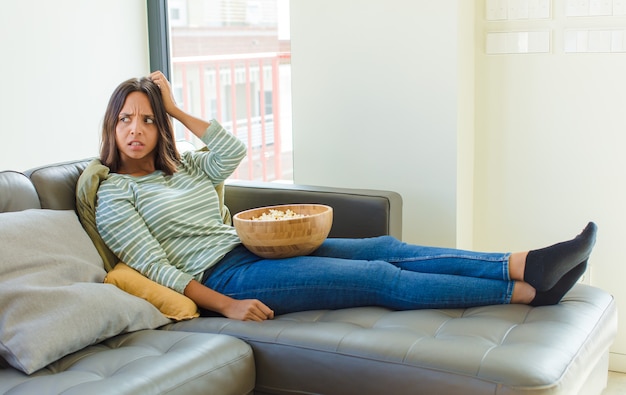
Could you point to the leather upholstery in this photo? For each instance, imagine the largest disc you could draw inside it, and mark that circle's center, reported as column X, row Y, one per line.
column 356, row 212
column 145, row 362
column 56, row 184
column 504, row 349
column 17, row 193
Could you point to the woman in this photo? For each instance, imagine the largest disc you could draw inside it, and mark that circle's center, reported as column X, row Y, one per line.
column 158, row 212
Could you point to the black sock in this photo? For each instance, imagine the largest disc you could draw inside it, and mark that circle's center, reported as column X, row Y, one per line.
column 556, row 293
column 546, row 266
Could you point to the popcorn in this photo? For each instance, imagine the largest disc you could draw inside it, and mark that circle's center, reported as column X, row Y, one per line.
column 275, row 215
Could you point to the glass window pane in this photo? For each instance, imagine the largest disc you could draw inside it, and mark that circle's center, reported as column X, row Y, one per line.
column 231, row 60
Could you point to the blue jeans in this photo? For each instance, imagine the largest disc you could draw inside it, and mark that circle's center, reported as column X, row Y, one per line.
column 379, row 271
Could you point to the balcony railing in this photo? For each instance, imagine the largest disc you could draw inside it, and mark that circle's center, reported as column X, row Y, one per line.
column 243, row 93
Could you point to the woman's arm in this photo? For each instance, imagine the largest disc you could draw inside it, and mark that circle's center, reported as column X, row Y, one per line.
column 245, row 310
column 127, row 235
column 222, row 166
column 125, row 232
column 226, row 151
column 196, row 125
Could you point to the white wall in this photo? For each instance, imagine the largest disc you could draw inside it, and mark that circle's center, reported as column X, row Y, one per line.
column 61, row 60
column 550, row 138
column 466, row 111
column 375, row 93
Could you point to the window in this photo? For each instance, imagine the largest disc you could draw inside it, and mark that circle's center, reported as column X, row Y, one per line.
column 231, row 60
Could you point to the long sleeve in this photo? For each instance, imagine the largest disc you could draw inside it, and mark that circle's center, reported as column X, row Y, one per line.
column 128, row 236
column 170, row 228
column 225, row 153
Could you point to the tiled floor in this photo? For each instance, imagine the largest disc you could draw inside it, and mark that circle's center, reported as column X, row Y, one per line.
column 617, row 384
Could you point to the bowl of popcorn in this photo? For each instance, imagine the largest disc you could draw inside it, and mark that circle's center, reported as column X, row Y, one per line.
column 284, row 231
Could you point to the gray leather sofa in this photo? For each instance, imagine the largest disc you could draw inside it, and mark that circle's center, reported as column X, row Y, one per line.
column 509, row 349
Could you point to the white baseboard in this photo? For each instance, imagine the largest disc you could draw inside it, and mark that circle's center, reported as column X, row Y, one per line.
column 617, row 362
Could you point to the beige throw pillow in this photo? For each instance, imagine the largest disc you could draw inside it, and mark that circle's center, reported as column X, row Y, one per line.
column 52, row 298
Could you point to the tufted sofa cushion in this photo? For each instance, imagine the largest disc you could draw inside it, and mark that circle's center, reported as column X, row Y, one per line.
column 145, row 362
column 502, row 349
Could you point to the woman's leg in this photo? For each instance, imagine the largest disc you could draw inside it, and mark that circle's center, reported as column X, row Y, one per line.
column 315, row 282
column 541, row 268
column 421, row 259
column 386, row 272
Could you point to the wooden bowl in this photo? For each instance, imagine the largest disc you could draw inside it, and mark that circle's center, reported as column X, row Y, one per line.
column 283, row 238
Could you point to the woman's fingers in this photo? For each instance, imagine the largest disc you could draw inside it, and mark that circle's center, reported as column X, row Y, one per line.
column 166, row 93
column 257, row 311
column 265, row 312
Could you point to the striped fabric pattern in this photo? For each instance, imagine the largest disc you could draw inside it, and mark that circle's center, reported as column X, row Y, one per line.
column 170, row 228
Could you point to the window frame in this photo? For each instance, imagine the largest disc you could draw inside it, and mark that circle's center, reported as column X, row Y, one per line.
column 158, row 36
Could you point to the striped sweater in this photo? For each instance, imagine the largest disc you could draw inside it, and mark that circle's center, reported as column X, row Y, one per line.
column 170, row 228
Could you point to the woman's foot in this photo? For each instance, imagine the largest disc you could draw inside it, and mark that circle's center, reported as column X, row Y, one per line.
column 556, row 293
column 545, row 267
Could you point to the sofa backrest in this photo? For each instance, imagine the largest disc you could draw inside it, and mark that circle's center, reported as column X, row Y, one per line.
column 17, row 193
column 51, row 187
column 357, row 212
column 56, row 184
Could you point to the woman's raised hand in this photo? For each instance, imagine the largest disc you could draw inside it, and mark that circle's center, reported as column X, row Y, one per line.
column 166, row 91
column 196, row 125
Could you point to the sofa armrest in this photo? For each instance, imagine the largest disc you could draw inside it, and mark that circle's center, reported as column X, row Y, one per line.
column 357, row 213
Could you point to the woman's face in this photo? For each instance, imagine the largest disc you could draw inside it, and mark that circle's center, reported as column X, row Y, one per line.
column 136, row 133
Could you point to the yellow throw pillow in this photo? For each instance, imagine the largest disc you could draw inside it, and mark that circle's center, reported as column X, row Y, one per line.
column 172, row 304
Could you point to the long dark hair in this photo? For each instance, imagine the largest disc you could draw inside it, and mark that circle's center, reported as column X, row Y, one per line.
column 167, row 157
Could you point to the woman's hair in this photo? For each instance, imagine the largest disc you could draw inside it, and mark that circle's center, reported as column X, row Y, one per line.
column 167, row 157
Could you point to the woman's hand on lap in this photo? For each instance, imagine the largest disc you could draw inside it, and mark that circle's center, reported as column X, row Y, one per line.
column 248, row 310
column 244, row 310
